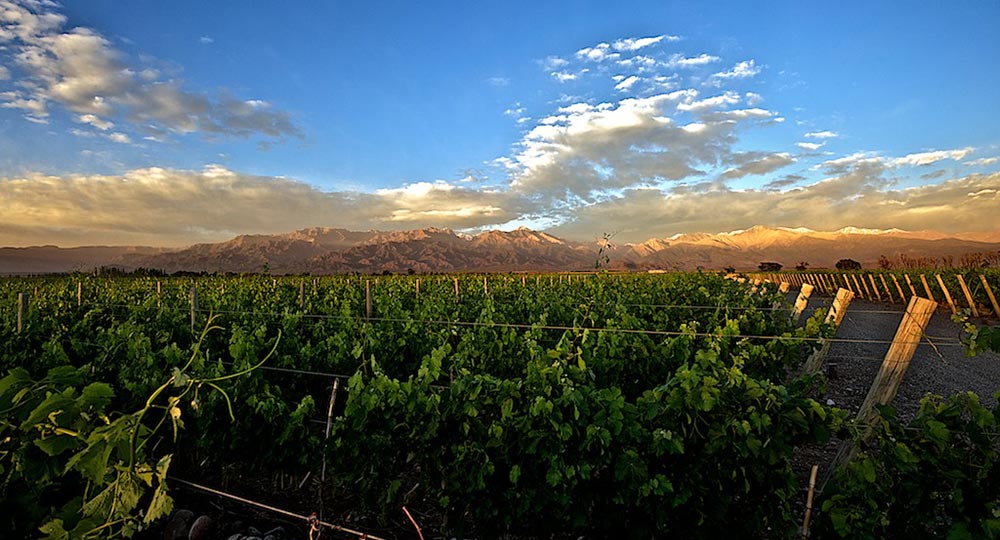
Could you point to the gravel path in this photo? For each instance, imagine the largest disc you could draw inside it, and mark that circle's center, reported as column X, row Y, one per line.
column 939, row 366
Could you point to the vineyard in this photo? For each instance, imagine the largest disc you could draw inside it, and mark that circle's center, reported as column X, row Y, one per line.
column 528, row 405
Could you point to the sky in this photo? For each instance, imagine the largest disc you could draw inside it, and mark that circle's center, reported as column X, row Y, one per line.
column 145, row 122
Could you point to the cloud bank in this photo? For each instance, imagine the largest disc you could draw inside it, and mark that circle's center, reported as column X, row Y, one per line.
column 79, row 71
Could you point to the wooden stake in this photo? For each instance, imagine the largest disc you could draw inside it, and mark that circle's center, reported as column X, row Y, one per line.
column 888, row 291
column 456, row 290
column 947, row 295
column 809, row 501
column 836, row 314
column 927, row 288
column 801, row 302
column 913, row 292
column 783, row 288
column 486, row 290
column 418, row 286
column 868, row 293
column 848, row 283
column 857, row 287
column 194, row 306
column 368, row 299
column 904, row 344
column 902, row 297
column 157, row 294
column 20, row 311
column 878, row 295
column 968, row 295
column 522, row 280
column 993, row 299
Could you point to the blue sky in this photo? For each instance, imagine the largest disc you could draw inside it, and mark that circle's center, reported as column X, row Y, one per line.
column 169, row 123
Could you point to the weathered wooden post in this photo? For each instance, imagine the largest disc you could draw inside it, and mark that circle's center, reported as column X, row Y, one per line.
column 79, row 293
column 158, row 294
column 885, row 286
column 968, row 295
column 418, row 286
column 904, row 345
column 913, row 292
column 456, row 290
column 927, row 288
column 989, row 292
column 801, row 302
column 878, row 295
column 194, row 306
column 902, row 297
column 947, row 295
column 20, row 311
column 886, row 384
column 835, row 316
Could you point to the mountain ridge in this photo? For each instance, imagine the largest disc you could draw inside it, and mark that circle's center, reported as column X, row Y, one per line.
column 432, row 249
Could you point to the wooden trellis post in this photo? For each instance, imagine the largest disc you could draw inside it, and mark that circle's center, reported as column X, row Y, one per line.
column 902, row 297
column 801, row 302
column 913, row 292
column 79, row 293
column 456, row 290
column 904, row 345
column 368, row 299
column 878, row 295
column 989, row 292
column 947, row 295
column 927, row 288
column 835, row 316
column 20, row 311
column 857, row 286
column 194, row 307
column 888, row 291
column 968, row 295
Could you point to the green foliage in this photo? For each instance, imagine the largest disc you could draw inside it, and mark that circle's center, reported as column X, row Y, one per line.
column 626, row 405
column 936, row 477
column 82, row 470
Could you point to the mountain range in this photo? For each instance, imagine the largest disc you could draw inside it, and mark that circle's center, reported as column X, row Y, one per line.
column 323, row 250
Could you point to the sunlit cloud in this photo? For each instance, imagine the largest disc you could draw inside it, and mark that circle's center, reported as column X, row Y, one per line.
column 81, row 71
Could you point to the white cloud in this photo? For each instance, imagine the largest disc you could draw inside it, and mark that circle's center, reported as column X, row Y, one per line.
column 82, row 71
column 597, row 53
column 861, row 200
column 4, row 73
column 757, row 163
column 634, row 44
column 809, row 146
column 982, row 162
column 95, row 121
column 753, row 99
column 205, row 40
column 822, row 134
column 498, row 81
column 728, row 98
column 681, row 61
column 927, row 158
column 742, row 70
column 554, row 63
column 120, row 138
column 158, row 206
column 564, row 76
column 626, row 83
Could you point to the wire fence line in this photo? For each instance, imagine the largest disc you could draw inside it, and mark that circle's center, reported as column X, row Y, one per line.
column 931, row 340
